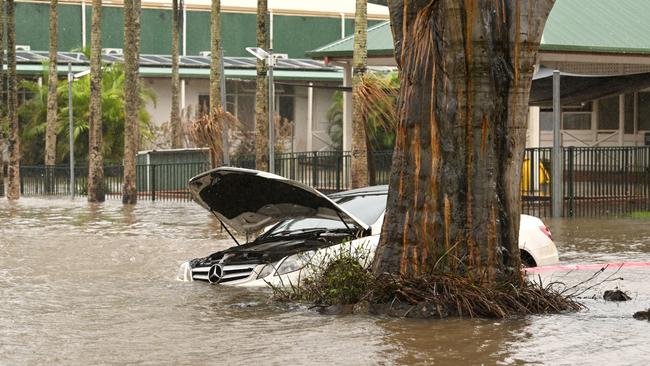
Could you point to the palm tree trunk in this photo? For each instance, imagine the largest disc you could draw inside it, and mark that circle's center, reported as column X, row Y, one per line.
column 131, row 97
column 13, row 171
column 359, row 159
column 175, row 119
column 215, row 77
column 95, row 154
column 52, row 108
column 261, row 93
column 3, row 90
column 466, row 69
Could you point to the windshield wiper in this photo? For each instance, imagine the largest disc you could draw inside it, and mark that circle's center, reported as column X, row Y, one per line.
column 294, row 232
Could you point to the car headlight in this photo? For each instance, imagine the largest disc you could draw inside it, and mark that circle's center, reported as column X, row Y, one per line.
column 294, row 262
column 267, row 270
column 184, row 272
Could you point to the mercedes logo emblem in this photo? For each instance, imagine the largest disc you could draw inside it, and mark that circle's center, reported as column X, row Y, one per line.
column 215, row 273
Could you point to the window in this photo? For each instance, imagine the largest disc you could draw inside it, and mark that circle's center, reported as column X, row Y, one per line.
column 246, row 111
column 576, row 120
column 644, row 111
column 573, row 117
column 204, row 104
column 546, row 120
column 608, row 109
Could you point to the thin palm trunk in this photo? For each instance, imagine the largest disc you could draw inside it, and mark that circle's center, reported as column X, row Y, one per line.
column 52, row 108
column 95, row 154
column 3, row 103
column 466, row 70
column 13, row 170
column 261, row 92
column 215, row 77
column 175, row 119
column 131, row 97
column 359, row 158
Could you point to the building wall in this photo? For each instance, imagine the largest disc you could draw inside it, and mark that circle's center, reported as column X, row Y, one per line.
column 32, row 26
column 195, row 88
column 293, row 35
column 624, row 124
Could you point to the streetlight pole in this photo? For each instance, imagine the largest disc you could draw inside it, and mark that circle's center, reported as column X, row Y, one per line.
column 270, row 59
column 71, row 128
column 270, row 63
column 557, row 178
column 224, row 130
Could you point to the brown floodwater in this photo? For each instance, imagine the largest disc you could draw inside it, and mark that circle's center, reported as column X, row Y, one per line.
column 95, row 284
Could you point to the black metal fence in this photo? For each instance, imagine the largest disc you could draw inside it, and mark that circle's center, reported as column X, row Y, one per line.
column 597, row 181
column 153, row 182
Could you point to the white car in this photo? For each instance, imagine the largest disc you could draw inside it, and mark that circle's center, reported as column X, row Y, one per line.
column 300, row 225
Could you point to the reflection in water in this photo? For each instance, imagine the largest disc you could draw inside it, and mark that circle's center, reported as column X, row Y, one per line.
column 83, row 283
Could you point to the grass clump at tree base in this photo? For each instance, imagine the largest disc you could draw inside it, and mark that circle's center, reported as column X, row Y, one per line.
column 444, row 294
column 344, row 281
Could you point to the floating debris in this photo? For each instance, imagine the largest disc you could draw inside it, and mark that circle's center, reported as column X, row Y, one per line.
column 616, row 295
column 642, row 315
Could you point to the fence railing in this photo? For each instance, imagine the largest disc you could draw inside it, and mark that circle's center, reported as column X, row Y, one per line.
column 597, row 181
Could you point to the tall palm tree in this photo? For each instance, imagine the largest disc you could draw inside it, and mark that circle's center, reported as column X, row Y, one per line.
column 175, row 118
column 13, row 186
column 359, row 159
column 52, row 108
column 95, row 156
column 2, row 93
column 261, row 92
column 131, row 96
column 215, row 75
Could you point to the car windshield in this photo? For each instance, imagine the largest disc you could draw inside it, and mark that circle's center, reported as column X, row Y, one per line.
column 366, row 208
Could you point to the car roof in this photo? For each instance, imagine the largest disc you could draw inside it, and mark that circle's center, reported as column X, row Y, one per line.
column 361, row 191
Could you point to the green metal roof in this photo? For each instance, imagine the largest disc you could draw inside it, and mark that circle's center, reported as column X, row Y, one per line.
column 380, row 43
column 620, row 26
column 34, row 63
column 607, row 26
column 200, row 73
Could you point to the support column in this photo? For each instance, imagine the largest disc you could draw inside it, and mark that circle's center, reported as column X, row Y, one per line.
column 347, row 108
column 621, row 120
column 310, row 118
column 557, row 170
column 533, row 127
column 532, row 141
column 182, row 97
column 83, row 24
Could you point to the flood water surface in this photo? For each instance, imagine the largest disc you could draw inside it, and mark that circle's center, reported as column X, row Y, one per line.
column 95, row 284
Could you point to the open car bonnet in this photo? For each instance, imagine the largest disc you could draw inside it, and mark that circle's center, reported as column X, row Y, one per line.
column 250, row 200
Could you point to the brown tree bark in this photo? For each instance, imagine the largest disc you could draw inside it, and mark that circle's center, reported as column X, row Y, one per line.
column 52, row 80
column 175, row 118
column 215, row 76
column 95, row 155
column 359, row 158
column 13, row 169
column 3, row 90
column 466, row 68
column 262, row 92
column 52, row 108
column 131, row 98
